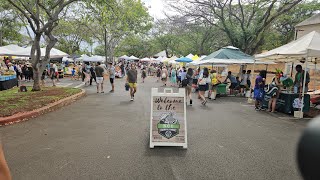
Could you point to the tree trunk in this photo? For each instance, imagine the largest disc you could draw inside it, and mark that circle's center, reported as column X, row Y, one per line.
column 1, row 40
column 35, row 59
column 105, row 45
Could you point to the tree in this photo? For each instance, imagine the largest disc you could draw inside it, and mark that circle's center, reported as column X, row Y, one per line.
column 113, row 20
column 245, row 22
column 9, row 24
column 71, row 34
column 139, row 46
column 43, row 19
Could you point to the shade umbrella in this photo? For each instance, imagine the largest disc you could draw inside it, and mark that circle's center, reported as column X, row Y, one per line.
column 133, row 58
column 190, row 56
column 184, row 60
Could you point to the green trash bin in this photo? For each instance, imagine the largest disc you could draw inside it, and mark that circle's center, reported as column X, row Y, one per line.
column 222, row 89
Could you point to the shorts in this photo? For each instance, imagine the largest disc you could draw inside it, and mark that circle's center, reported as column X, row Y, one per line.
column 57, row 73
column 132, row 85
column 243, row 86
column 99, row 80
column 204, row 87
column 233, row 85
column 111, row 80
column 188, row 88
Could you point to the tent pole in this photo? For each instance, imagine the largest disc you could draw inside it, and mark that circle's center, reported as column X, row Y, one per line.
column 304, row 87
column 292, row 68
column 315, row 76
column 253, row 69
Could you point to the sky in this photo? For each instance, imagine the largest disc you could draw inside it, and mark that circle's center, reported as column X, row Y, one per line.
column 156, row 8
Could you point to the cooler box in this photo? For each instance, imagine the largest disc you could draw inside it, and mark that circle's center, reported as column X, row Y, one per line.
column 222, row 89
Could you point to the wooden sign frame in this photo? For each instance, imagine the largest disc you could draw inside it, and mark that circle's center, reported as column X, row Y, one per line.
column 172, row 133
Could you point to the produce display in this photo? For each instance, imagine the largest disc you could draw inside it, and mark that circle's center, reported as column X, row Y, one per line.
column 6, row 75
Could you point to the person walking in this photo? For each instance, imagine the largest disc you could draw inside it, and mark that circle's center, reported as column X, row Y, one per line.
column 52, row 74
column 87, row 74
column 203, row 85
column 173, row 78
column 112, row 75
column 243, row 83
column 56, row 71
column 83, row 70
column 132, row 77
column 143, row 74
column 188, row 87
column 93, row 74
column 158, row 74
column 214, row 82
column 99, row 77
column 164, row 76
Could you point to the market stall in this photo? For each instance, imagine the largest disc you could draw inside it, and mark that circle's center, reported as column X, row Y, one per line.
column 288, row 102
column 8, row 81
column 304, row 50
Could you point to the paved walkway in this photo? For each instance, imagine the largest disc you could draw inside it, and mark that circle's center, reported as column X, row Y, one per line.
column 105, row 136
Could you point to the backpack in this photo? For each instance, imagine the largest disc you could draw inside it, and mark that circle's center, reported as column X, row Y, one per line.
column 185, row 82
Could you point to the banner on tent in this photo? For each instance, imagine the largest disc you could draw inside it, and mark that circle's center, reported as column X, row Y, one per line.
column 168, row 124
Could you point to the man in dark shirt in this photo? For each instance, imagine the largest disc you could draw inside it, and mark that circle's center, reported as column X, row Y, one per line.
column 132, row 76
column 99, row 77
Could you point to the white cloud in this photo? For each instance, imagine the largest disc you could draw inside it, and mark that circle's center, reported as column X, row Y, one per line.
column 156, row 8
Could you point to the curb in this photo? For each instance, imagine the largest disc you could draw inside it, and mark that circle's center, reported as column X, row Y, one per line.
column 24, row 116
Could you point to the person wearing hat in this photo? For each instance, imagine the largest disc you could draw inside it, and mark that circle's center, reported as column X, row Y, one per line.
column 10, row 67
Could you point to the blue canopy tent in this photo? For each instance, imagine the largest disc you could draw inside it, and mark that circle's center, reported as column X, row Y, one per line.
column 184, row 60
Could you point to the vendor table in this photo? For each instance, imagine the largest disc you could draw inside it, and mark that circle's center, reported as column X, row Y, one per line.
column 8, row 82
column 285, row 102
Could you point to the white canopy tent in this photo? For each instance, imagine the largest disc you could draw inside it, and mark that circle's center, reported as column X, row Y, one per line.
column 305, row 49
column 25, row 52
column 94, row 59
column 83, row 56
column 173, row 58
column 125, row 57
column 133, row 58
column 190, row 56
column 65, row 59
column 160, row 54
column 13, row 47
column 4, row 51
column 172, row 62
column 146, row 59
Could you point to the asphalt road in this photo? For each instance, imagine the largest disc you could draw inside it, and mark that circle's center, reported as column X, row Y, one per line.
column 104, row 136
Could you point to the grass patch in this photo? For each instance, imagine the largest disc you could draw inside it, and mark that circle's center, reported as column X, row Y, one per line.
column 12, row 101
